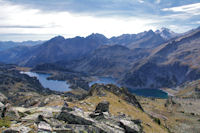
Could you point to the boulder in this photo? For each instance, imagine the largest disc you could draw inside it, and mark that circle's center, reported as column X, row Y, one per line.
column 73, row 118
column 130, row 126
column 43, row 126
column 11, row 131
column 102, row 107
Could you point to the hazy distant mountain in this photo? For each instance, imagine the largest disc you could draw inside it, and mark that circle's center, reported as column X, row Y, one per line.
column 56, row 49
column 169, row 64
column 147, row 39
column 166, row 33
column 67, row 50
column 4, row 45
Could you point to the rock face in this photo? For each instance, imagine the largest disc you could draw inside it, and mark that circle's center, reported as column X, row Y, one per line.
column 102, row 107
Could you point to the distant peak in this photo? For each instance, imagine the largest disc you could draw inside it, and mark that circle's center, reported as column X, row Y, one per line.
column 166, row 33
column 96, row 35
column 58, row 38
column 164, row 28
column 150, row 31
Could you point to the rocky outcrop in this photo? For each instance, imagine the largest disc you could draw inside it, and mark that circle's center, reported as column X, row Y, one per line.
column 43, row 126
column 99, row 120
column 102, row 107
column 100, row 89
column 73, row 117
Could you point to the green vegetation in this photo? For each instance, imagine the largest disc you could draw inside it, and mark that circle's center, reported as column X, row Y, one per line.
column 5, row 122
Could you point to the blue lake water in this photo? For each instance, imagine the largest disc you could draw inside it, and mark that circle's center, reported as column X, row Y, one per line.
column 62, row 86
column 155, row 93
column 56, row 85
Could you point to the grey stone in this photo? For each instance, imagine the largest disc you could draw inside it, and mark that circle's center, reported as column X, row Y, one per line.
column 71, row 118
column 43, row 126
column 10, row 131
column 102, row 107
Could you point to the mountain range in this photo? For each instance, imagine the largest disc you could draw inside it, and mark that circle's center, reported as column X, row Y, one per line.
column 149, row 59
column 59, row 48
column 168, row 65
column 4, row 45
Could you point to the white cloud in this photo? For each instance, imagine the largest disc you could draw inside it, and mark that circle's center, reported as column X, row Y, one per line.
column 177, row 28
column 198, row 22
column 65, row 23
column 179, row 16
column 193, row 9
column 158, row 1
column 141, row 1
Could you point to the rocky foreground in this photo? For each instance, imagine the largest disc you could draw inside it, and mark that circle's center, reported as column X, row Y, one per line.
column 67, row 120
column 27, row 107
column 101, row 111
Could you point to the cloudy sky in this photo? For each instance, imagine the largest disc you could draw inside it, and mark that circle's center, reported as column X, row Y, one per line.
column 42, row 19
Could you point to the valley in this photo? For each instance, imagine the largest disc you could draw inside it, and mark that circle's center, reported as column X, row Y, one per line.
column 29, row 109
column 136, row 83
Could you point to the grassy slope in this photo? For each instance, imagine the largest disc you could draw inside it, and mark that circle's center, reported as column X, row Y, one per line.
column 190, row 90
column 175, row 117
column 118, row 105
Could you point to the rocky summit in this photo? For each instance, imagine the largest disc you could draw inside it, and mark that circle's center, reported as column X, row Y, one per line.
column 64, row 119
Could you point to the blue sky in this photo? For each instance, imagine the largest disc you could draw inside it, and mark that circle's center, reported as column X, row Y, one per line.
column 43, row 19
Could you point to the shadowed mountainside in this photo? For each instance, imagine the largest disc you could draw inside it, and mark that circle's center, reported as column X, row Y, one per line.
column 169, row 64
column 61, row 49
